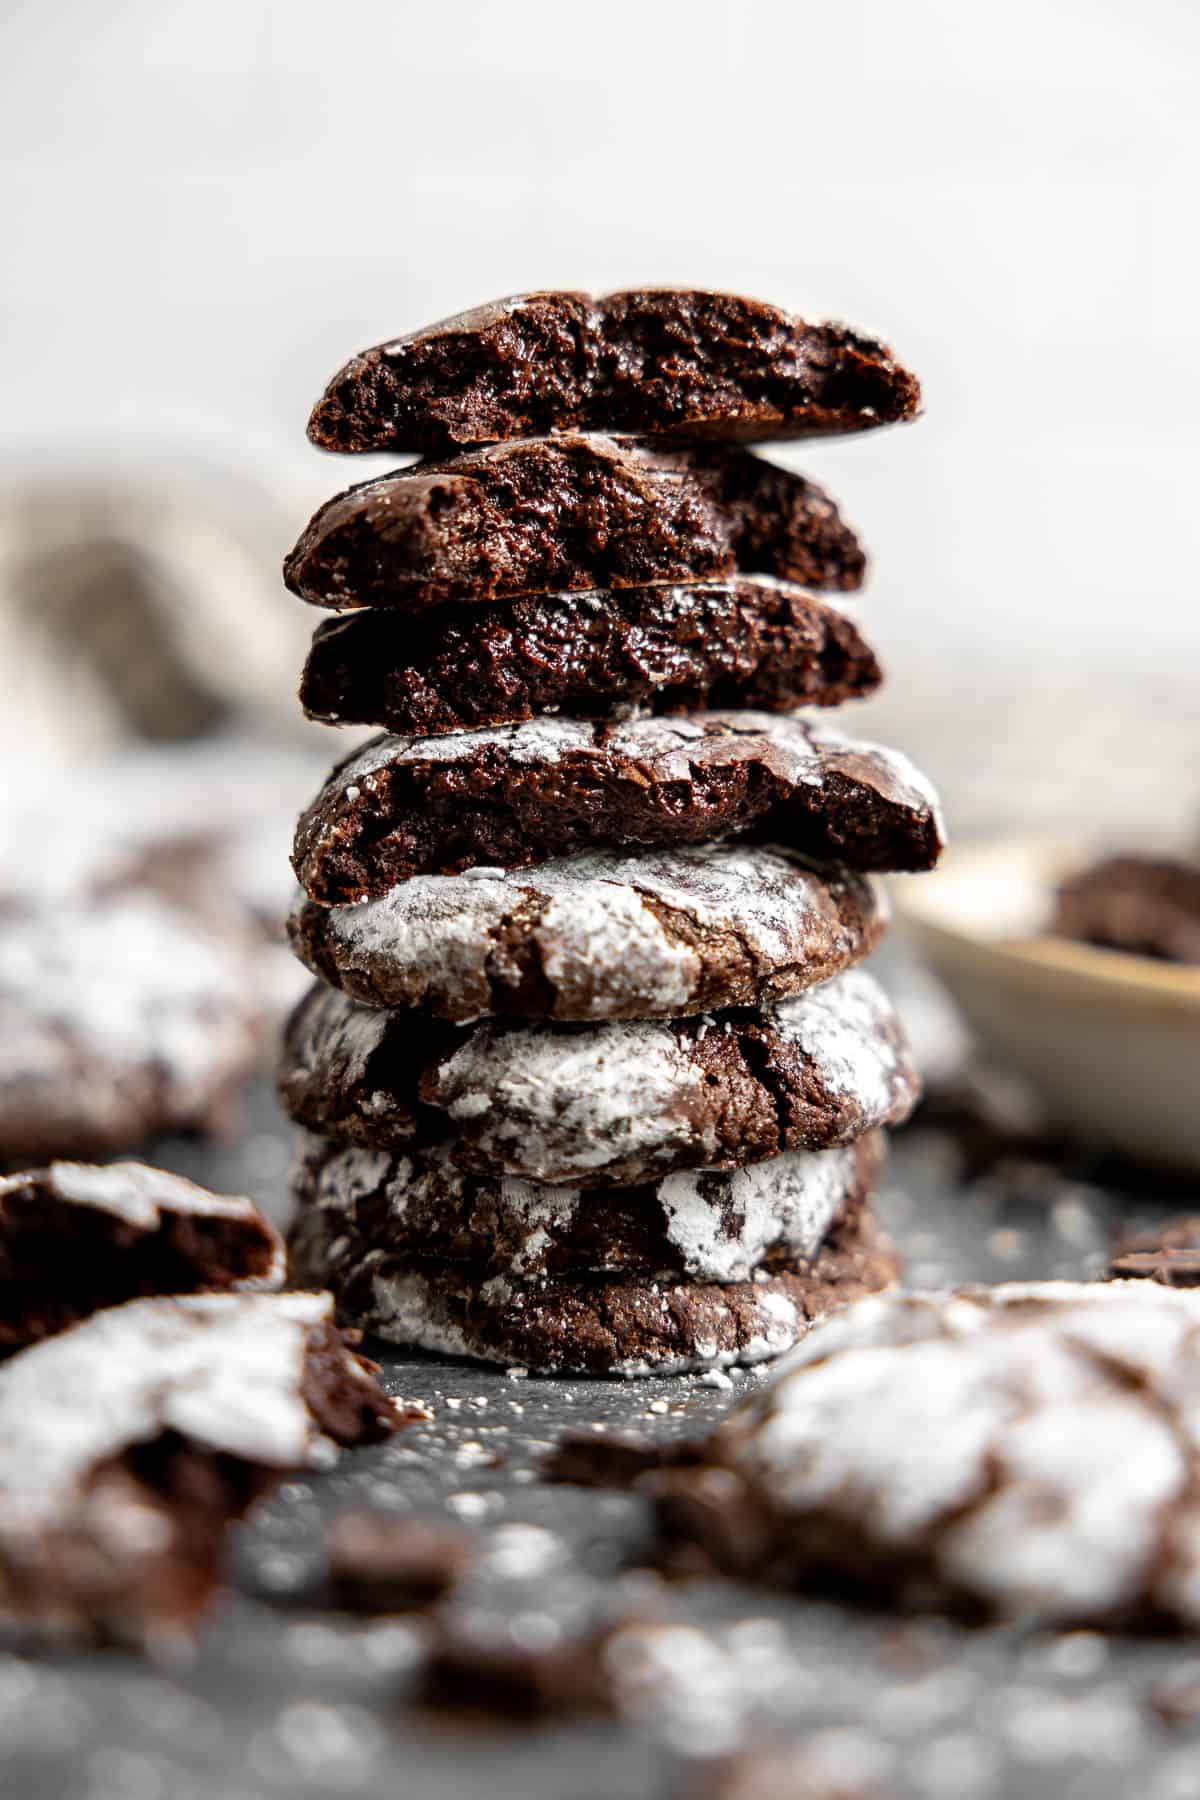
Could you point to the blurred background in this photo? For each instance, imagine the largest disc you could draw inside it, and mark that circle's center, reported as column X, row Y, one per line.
column 208, row 207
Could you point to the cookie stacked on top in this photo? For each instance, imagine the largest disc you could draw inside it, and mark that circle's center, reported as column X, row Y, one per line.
column 590, row 1078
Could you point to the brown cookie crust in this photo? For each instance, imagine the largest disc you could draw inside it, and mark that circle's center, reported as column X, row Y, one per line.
column 598, row 936
column 605, row 1105
column 605, row 1325
column 554, row 514
column 74, row 1239
column 709, row 1226
column 521, row 794
column 683, row 363
column 591, row 655
column 134, row 1440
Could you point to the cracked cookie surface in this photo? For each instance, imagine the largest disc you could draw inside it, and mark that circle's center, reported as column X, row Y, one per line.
column 605, row 1325
column 656, row 934
column 612, row 1104
column 522, row 794
column 1028, row 1450
column 705, row 1225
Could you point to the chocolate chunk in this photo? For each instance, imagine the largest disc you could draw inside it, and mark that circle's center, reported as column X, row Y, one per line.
column 590, row 655
column 1022, row 1450
column 378, row 1563
column 121, row 1016
column 130, row 1443
column 521, row 1661
column 1144, row 905
column 682, row 363
column 601, row 1459
column 522, row 794
column 598, row 936
column 603, row 1325
column 776, row 1772
column 1170, row 1254
column 713, row 1225
column 562, row 513
column 75, row 1238
column 607, row 1105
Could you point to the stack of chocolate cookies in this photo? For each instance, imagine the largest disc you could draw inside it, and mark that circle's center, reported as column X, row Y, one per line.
column 590, row 1079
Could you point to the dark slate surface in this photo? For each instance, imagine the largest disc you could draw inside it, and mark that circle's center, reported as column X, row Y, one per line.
column 288, row 1699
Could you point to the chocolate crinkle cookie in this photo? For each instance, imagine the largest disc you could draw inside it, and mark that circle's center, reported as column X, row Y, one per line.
column 129, row 1444
column 596, row 654
column 563, row 513
column 607, row 1105
column 1028, row 1450
column 122, row 1015
column 681, row 363
column 1145, row 905
column 602, row 935
column 522, row 794
column 75, row 1238
column 598, row 1324
column 704, row 1225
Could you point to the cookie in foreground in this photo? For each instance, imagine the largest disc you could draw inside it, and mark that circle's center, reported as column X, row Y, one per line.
column 131, row 1442
column 1027, row 1450
column 75, row 1238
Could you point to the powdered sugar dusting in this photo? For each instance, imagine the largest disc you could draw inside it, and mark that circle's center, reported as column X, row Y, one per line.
column 570, row 1101
column 797, row 750
column 97, row 997
column 224, row 1370
column 410, row 1309
column 724, row 1222
column 1036, row 1441
column 435, row 939
column 719, row 1223
column 136, row 1193
column 555, row 1104
column 848, row 1030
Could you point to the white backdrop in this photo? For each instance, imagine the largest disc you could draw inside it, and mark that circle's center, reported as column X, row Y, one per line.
column 207, row 206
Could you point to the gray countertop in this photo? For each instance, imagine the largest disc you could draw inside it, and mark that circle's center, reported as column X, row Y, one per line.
column 286, row 1698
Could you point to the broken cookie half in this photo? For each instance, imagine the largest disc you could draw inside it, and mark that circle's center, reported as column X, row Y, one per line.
column 76, row 1237
column 130, row 1443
